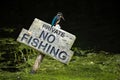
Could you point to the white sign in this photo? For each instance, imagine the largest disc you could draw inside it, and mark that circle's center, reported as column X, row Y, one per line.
column 48, row 40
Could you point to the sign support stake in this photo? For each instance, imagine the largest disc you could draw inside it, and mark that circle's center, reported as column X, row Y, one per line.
column 37, row 62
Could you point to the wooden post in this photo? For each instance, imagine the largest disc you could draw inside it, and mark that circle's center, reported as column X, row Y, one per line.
column 37, row 63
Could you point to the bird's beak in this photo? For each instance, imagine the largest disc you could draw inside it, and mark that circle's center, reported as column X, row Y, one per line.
column 63, row 18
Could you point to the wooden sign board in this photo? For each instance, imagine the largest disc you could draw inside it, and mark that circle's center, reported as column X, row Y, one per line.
column 48, row 40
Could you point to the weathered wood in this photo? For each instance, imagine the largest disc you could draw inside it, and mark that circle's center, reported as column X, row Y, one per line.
column 64, row 39
column 38, row 62
column 48, row 40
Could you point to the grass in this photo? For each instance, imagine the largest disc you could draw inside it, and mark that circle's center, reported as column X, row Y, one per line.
column 85, row 65
column 90, row 67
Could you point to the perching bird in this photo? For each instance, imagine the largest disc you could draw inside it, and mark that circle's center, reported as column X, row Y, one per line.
column 57, row 19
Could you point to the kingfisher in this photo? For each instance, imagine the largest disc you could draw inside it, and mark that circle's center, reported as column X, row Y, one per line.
column 56, row 19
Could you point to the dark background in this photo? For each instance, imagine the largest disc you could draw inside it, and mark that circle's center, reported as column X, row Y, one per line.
column 95, row 23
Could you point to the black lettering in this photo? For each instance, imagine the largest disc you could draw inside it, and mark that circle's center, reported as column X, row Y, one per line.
column 25, row 36
column 62, row 55
column 51, row 38
column 59, row 32
column 43, row 35
column 49, row 28
column 48, row 48
column 29, row 40
column 43, row 25
column 53, row 29
column 46, row 27
column 41, row 45
column 54, row 51
column 62, row 34
column 35, row 42
column 56, row 31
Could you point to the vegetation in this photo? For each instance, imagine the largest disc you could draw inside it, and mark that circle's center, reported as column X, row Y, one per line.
column 16, row 61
